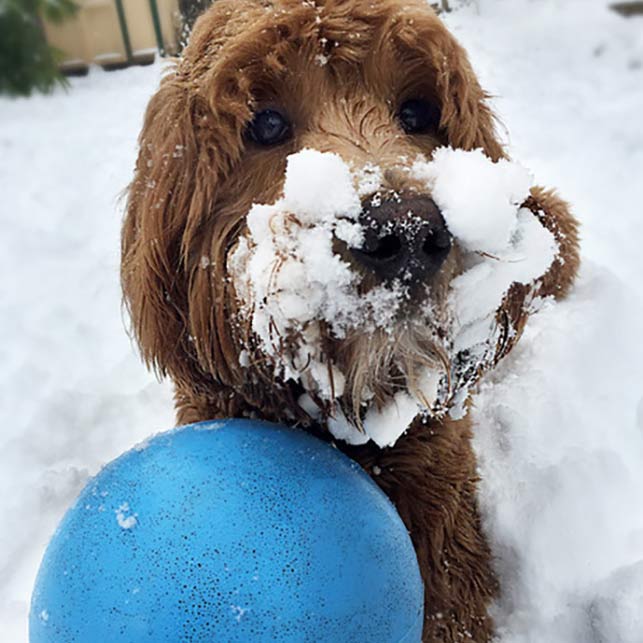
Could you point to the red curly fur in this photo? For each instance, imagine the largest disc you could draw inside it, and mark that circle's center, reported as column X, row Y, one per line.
column 196, row 178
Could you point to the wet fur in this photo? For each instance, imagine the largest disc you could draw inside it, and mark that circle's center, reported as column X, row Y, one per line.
column 196, row 179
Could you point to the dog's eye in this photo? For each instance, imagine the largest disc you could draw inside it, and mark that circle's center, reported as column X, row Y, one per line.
column 418, row 116
column 269, row 127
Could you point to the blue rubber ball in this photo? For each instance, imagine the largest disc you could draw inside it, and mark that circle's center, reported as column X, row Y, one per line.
column 226, row 532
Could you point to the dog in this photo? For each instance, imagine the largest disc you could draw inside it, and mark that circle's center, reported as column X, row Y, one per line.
column 372, row 82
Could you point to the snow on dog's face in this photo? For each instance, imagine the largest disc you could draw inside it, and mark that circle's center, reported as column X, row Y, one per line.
column 382, row 318
column 289, row 251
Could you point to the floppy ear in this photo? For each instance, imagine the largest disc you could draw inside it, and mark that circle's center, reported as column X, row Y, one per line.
column 191, row 138
column 173, row 185
column 555, row 215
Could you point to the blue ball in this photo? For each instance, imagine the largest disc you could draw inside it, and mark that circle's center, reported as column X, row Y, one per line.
column 225, row 532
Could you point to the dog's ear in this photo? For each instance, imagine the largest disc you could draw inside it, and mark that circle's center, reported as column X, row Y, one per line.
column 555, row 215
column 173, row 186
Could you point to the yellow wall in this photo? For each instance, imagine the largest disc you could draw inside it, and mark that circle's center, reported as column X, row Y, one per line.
column 94, row 34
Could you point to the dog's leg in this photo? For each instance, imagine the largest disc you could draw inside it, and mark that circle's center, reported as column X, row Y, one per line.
column 430, row 475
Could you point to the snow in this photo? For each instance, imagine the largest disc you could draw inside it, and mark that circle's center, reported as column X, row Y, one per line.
column 289, row 277
column 289, row 251
column 73, row 392
column 502, row 243
column 477, row 293
column 457, row 179
column 338, row 425
column 385, row 426
column 124, row 520
column 559, row 425
column 560, row 452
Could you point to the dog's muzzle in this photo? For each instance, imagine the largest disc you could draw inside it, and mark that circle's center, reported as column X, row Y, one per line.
column 405, row 238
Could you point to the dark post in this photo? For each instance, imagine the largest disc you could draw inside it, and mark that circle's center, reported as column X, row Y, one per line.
column 157, row 27
column 124, row 32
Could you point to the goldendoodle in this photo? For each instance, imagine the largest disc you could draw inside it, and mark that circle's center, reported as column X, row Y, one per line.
column 377, row 84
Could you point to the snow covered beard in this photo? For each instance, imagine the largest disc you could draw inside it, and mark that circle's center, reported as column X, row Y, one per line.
column 371, row 356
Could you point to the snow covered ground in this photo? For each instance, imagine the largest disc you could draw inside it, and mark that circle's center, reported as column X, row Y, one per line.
column 560, row 423
column 73, row 393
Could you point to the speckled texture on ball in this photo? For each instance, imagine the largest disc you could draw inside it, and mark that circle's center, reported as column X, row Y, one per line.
column 226, row 532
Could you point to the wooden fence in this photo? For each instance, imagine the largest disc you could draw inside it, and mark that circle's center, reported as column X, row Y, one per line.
column 116, row 33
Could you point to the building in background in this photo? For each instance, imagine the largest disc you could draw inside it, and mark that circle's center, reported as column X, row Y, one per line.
column 116, row 33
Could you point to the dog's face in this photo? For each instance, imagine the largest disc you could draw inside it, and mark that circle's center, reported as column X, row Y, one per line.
column 377, row 84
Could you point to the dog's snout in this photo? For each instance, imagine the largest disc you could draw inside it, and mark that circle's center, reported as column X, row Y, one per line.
column 405, row 238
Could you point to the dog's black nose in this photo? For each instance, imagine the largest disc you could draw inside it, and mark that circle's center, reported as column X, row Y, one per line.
column 405, row 238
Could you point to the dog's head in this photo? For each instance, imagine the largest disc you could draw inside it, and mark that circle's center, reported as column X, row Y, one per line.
column 377, row 84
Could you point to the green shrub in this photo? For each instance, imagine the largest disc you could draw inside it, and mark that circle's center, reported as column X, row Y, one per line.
column 27, row 61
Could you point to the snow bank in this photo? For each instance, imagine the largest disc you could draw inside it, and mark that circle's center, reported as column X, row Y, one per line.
column 290, row 277
column 559, row 424
column 73, row 392
column 559, row 439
